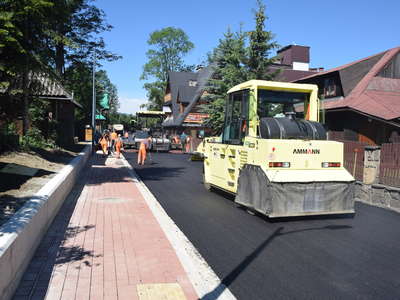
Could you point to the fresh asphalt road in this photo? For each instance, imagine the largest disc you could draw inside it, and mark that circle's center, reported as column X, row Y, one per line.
column 314, row 258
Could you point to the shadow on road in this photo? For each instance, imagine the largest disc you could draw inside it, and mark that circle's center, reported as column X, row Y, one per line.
column 232, row 276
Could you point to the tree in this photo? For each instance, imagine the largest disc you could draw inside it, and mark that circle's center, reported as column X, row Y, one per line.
column 169, row 46
column 105, row 86
column 75, row 26
column 261, row 46
column 21, row 33
column 235, row 62
column 155, row 95
column 42, row 36
column 228, row 60
column 79, row 78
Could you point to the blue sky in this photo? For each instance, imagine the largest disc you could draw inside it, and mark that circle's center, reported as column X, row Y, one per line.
column 338, row 32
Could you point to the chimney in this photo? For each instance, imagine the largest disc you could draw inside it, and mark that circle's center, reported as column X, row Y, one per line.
column 298, row 57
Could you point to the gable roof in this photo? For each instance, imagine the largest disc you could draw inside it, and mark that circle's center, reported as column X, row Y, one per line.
column 42, row 84
column 180, row 90
column 178, row 81
column 289, row 75
column 364, row 91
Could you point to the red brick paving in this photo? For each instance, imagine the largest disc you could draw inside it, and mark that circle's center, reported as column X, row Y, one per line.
column 101, row 249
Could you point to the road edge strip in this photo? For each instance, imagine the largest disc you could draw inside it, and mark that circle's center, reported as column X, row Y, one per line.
column 206, row 283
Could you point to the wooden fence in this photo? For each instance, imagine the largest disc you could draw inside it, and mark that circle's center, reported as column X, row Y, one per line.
column 389, row 168
column 354, row 158
column 389, row 171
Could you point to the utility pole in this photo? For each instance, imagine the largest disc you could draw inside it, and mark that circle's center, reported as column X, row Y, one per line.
column 94, row 97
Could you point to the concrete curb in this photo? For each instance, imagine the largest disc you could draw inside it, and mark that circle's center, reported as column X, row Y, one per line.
column 21, row 235
column 206, row 283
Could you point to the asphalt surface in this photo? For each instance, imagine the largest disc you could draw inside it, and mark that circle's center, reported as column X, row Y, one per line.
column 258, row 258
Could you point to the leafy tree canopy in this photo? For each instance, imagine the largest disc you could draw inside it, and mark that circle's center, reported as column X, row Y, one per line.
column 51, row 35
column 168, row 46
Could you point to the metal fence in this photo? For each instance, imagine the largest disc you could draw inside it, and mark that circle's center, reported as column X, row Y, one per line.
column 389, row 171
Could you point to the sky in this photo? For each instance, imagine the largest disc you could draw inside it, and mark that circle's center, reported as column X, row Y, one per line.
column 337, row 32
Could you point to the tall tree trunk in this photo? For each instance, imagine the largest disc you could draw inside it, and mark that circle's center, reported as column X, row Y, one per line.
column 25, row 83
column 60, row 60
column 25, row 110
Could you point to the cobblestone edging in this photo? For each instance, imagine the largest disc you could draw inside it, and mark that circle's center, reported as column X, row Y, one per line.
column 379, row 195
column 20, row 235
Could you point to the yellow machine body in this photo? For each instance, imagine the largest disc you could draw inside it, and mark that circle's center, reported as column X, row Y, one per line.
column 277, row 177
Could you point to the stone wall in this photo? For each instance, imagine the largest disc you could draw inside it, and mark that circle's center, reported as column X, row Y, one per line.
column 379, row 195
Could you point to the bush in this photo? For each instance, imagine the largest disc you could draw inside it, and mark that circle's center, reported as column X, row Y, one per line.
column 34, row 139
column 9, row 140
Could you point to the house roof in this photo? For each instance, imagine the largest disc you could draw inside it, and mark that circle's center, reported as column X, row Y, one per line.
column 42, row 85
column 178, row 81
column 186, row 93
column 180, row 90
column 363, row 89
column 288, row 75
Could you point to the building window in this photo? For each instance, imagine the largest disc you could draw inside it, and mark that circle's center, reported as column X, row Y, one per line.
column 192, row 83
column 329, row 87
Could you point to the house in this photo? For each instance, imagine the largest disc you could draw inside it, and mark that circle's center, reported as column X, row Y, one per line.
column 182, row 100
column 362, row 99
column 293, row 62
column 46, row 86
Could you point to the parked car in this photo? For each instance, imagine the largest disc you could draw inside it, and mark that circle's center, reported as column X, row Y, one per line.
column 139, row 136
column 160, row 142
column 128, row 140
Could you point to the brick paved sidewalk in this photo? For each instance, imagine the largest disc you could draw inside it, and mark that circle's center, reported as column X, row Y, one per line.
column 105, row 244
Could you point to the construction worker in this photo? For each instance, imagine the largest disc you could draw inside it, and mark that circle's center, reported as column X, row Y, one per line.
column 114, row 137
column 118, row 145
column 104, row 144
column 144, row 146
column 188, row 144
column 183, row 138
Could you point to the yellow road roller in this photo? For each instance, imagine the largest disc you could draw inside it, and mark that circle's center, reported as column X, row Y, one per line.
column 273, row 153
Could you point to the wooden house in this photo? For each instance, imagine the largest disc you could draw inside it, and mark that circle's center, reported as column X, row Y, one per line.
column 46, row 86
column 182, row 99
column 362, row 99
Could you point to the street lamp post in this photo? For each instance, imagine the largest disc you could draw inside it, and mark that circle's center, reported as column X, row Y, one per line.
column 94, row 98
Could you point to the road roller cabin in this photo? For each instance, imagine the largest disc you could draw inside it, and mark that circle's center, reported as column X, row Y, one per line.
column 276, row 161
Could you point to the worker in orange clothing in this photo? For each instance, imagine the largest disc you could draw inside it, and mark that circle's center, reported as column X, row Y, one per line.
column 118, row 145
column 144, row 146
column 188, row 145
column 114, row 137
column 104, row 144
